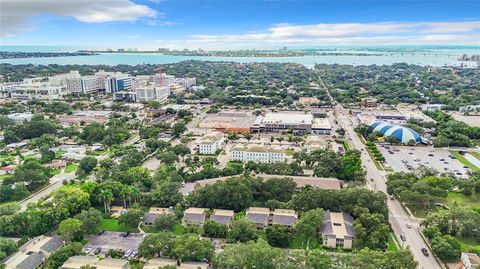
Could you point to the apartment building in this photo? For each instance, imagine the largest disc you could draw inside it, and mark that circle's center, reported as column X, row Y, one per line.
column 211, row 143
column 337, row 230
column 77, row 262
column 34, row 253
column 87, row 84
column 259, row 154
column 264, row 217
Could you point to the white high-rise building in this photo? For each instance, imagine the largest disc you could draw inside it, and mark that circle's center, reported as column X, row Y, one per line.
column 259, row 154
column 152, row 93
column 60, row 80
column 87, row 84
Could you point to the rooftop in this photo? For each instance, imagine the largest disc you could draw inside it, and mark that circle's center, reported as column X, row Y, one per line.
column 257, row 148
column 321, row 123
column 288, row 118
column 338, row 224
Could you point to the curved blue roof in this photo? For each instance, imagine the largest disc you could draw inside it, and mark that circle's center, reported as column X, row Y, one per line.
column 403, row 134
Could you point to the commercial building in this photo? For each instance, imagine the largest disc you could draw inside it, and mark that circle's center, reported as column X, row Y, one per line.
column 194, row 216
column 260, row 154
column 469, row 261
column 20, row 117
column 321, row 126
column 404, row 135
column 118, row 82
column 369, row 102
column 61, row 79
column 152, row 93
column 222, row 216
column 229, row 121
column 337, row 230
column 34, row 253
column 432, row 107
column 264, row 217
column 154, row 212
column 211, row 143
column 284, row 121
column 77, row 262
column 37, row 90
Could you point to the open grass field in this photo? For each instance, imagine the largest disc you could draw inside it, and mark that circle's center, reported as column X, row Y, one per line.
column 71, row 167
column 300, row 242
column 112, row 225
column 462, row 200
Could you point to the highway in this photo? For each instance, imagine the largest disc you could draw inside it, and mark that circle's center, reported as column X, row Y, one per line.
column 398, row 217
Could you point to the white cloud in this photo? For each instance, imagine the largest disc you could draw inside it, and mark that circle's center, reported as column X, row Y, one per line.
column 388, row 33
column 15, row 14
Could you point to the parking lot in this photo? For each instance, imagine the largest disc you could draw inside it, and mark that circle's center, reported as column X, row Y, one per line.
column 403, row 158
column 115, row 240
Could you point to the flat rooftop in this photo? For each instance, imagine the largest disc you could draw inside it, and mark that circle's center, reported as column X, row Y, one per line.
column 287, row 118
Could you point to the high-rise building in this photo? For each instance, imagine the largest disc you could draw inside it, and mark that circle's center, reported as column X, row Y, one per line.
column 152, row 93
column 88, row 84
column 118, row 82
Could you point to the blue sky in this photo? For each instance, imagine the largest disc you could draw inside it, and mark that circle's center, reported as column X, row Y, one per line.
column 238, row 24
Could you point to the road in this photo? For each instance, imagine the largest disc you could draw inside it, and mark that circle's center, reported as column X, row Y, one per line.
column 56, row 182
column 398, row 216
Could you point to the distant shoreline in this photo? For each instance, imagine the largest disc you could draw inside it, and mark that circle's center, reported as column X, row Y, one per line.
column 20, row 55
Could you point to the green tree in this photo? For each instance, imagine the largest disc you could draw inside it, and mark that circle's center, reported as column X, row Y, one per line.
column 178, row 128
column 86, row 165
column 446, row 248
column 90, row 219
column 214, row 229
column 242, row 230
column 319, row 259
column 131, row 219
column 157, row 244
column 308, row 224
column 164, row 222
column 189, row 247
column 167, row 194
column 71, row 229
column 47, row 155
column 278, row 236
column 371, row 231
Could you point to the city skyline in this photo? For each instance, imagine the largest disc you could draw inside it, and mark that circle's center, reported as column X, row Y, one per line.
column 238, row 24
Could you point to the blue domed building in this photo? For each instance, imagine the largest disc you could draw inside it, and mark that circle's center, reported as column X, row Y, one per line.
column 403, row 134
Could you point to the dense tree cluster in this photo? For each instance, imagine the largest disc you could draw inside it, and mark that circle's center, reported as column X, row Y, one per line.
column 37, row 127
column 450, row 132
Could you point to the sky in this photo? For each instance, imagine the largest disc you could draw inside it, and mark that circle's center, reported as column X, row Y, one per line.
column 236, row 24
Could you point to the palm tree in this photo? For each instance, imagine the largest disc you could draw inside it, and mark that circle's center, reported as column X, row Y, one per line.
column 124, row 192
column 135, row 193
column 106, row 196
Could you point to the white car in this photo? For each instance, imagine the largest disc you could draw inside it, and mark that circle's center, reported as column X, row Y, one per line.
column 409, row 225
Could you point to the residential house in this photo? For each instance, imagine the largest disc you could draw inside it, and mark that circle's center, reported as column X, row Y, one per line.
column 34, row 253
column 258, row 215
column 194, row 216
column 222, row 216
column 285, row 217
column 469, row 261
column 77, row 262
column 150, row 217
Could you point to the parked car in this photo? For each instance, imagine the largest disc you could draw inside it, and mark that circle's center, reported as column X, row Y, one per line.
column 425, row 252
column 88, row 250
column 127, row 253
column 97, row 251
column 431, row 154
column 409, row 225
column 126, row 234
column 402, row 236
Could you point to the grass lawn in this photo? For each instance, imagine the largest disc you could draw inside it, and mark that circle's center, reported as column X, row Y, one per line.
column 96, row 152
column 112, row 225
column 59, row 154
column 467, row 243
column 289, row 152
column 71, row 167
column 300, row 242
column 29, row 157
column 392, row 243
column 178, row 229
column 419, row 212
column 55, row 171
column 462, row 200
column 464, row 161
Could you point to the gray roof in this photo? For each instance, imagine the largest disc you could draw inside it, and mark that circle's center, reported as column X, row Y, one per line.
column 327, row 227
column 33, row 261
column 194, row 217
column 221, row 219
column 284, row 220
column 257, row 217
column 150, row 217
column 53, row 244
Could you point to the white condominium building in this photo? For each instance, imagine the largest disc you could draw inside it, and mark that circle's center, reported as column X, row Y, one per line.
column 260, row 154
column 87, row 84
column 150, row 93
column 60, row 80
column 211, row 143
